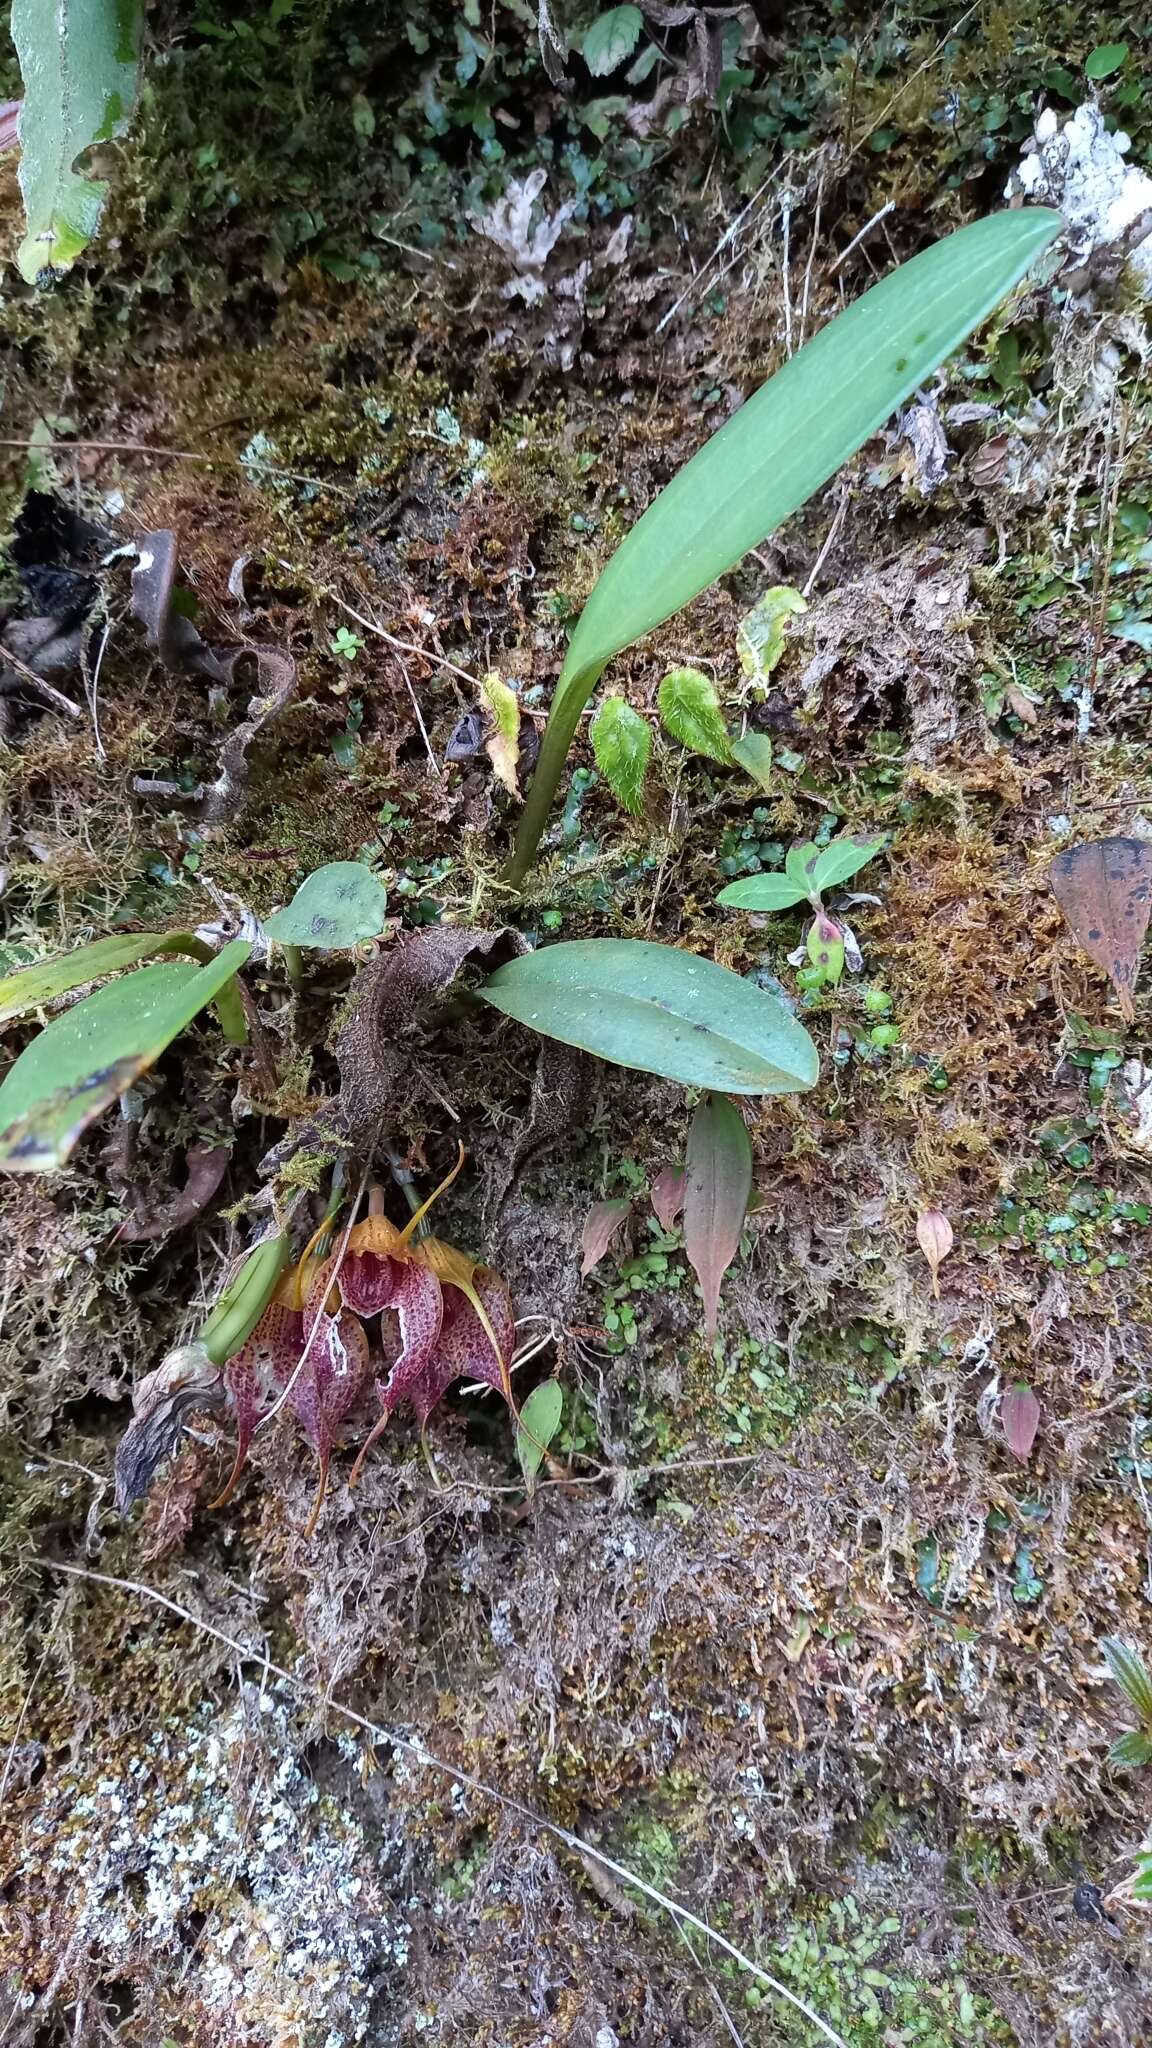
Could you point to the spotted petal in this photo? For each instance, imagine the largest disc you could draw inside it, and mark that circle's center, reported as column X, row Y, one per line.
column 255, row 1375
column 335, row 1368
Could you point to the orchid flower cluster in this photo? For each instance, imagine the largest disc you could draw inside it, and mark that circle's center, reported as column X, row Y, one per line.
column 443, row 1316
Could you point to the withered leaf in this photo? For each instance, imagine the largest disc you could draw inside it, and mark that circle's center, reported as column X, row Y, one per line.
column 186, row 1379
column 600, row 1226
column 668, row 1195
column 1104, row 889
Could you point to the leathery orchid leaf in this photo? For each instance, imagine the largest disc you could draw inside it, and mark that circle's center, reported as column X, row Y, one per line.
column 718, row 1182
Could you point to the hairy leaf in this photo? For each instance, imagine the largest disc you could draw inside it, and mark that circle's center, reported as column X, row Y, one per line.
column 611, row 38
column 30, row 986
column 717, row 1184
column 753, row 753
column 1131, row 1674
column 1020, row 1419
column 622, row 745
column 817, row 410
column 338, row 905
column 78, row 1065
column 1104, row 889
column 600, row 1226
column 661, row 1011
column 539, row 1420
column 691, row 711
column 78, row 60
column 502, row 744
column 1130, row 1751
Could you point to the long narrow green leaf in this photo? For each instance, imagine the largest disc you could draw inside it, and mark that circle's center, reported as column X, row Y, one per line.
column 78, row 1065
column 78, row 61
column 38, row 983
column 661, row 1011
column 817, row 410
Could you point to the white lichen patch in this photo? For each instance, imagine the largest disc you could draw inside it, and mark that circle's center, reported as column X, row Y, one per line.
column 208, row 1836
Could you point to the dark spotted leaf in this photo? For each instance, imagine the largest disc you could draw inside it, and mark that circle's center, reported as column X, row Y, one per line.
column 1104, row 889
column 718, row 1182
column 336, row 906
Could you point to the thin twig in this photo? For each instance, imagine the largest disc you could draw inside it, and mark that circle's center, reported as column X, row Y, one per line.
column 22, row 1716
column 54, row 697
column 888, row 207
column 406, row 646
column 829, row 538
column 729, row 235
column 812, row 247
column 296, row 476
column 680, row 1914
column 92, row 689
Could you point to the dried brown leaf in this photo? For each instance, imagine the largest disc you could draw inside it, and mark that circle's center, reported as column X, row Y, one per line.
column 600, row 1226
column 1104, row 889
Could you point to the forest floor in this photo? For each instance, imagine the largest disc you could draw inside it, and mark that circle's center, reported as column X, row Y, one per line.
column 397, row 335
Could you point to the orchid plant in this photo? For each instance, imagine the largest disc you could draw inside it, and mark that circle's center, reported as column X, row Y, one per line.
column 442, row 1317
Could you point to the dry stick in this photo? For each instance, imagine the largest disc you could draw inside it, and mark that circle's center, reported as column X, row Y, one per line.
column 888, row 207
column 811, row 257
column 680, row 1914
column 92, row 688
column 22, row 1716
column 408, row 647
column 829, row 538
column 55, row 698
column 189, row 455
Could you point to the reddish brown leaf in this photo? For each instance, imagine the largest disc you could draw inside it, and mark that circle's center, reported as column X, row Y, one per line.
column 668, row 1195
column 1104, row 889
column 1020, row 1419
column 600, row 1226
column 717, row 1184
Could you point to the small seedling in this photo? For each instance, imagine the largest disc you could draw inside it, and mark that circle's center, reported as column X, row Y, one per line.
column 808, row 871
column 345, row 643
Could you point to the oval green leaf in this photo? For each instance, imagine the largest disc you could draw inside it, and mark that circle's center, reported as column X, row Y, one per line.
column 763, row 892
column 815, row 412
column 622, row 745
column 539, row 1421
column 659, row 1011
column 80, row 1063
column 339, row 905
column 842, row 858
column 30, row 986
column 753, row 754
